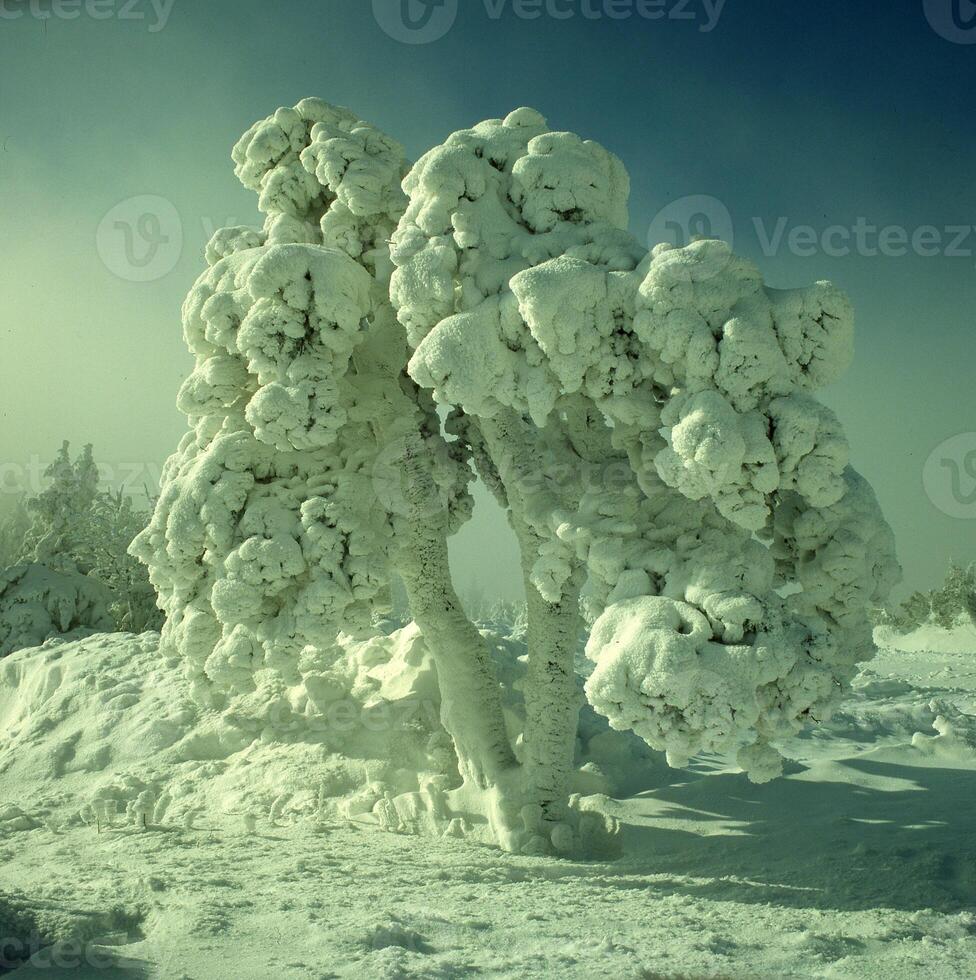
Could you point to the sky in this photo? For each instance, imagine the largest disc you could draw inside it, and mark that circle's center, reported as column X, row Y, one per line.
column 828, row 141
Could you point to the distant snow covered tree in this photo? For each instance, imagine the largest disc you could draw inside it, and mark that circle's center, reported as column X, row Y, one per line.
column 13, row 529
column 73, row 526
column 38, row 602
column 912, row 613
column 58, row 532
column 113, row 523
column 945, row 607
column 646, row 419
column 957, row 598
column 43, row 593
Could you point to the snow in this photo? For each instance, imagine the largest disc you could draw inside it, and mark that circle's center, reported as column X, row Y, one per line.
column 261, row 856
column 37, row 602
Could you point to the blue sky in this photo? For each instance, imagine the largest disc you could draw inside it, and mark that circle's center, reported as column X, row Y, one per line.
column 810, row 121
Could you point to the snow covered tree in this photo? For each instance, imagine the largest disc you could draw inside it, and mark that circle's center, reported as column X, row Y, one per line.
column 957, row 597
column 645, row 419
column 912, row 613
column 282, row 514
column 38, row 602
column 60, row 512
column 944, row 607
column 13, row 529
column 45, row 590
column 74, row 527
column 112, row 524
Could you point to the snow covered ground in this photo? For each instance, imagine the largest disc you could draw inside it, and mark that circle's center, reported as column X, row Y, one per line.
column 860, row 862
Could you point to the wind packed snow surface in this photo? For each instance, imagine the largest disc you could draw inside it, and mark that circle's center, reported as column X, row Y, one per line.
column 142, row 834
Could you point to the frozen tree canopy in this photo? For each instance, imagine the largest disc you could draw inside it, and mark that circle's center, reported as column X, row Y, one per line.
column 530, row 307
column 647, row 419
column 281, row 514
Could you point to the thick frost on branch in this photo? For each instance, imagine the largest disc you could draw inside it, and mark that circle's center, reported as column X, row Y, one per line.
column 324, row 177
column 664, row 401
column 268, row 538
column 493, row 202
column 737, row 360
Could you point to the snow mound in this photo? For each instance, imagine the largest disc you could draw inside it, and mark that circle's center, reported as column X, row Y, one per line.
column 105, row 730
column 72, row 711
column 956, row 738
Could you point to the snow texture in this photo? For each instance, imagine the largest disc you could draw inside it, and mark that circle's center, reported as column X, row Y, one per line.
column 268, row 539
column 711, row 883
column 37, row 602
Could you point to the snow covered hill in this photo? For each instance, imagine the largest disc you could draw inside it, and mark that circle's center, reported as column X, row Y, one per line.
column 144, row 835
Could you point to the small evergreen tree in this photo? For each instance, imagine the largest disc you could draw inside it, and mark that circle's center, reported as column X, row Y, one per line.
column 75, row 526
column 114, row 521
column 60, row 512
column 13, row 529
column 944, row 606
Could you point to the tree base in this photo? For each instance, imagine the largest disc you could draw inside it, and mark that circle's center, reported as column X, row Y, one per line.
column 498, row 816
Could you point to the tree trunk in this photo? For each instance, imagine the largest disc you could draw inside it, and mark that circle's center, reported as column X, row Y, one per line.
column 471, row 708
column 552, row 699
